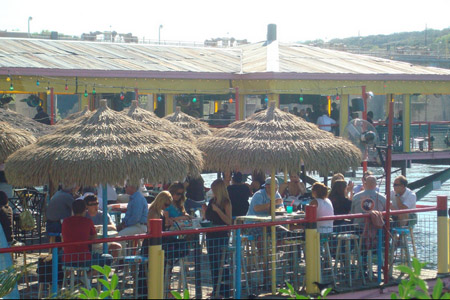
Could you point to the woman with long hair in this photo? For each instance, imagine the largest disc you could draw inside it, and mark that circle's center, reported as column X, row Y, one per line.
column 341, row 204
column 219, row 212
column 156, row 209
column 324, row 207
column 176, row 212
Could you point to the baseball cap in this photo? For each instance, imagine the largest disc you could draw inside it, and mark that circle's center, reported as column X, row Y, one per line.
column 269, row 180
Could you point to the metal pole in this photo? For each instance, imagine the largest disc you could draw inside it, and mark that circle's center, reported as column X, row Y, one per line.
column 236, row 96
column 105, row 216
column 29, row 19
column 388, row 189
column 273, row 187
column 238, row 265
column 52, row 106
column 54, row 272
column 364, row 115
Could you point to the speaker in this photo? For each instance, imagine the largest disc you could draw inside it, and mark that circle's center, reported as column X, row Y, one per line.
column 357, row 104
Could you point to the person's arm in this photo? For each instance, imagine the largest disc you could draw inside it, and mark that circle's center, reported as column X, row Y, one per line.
column 92, row 231
column 314, row 203
column 133, row 214
column 224, row 215
column 399, row 202
column 302, row 188
column 283, row 188
column 262, row 207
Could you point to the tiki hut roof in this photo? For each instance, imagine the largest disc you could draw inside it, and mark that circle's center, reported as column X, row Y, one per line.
column 75, row 116
column 19, row 121
column 105, row 147
column 197, row 127
column 156, row 123
column 276, row 140
column 12, row 139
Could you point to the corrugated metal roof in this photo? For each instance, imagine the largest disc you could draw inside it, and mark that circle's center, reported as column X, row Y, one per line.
column 294, row 61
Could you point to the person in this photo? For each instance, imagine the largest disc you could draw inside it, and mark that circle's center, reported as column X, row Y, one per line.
column 224, row 113
column 239, row 193
column 195, row 193
column 294, row 187
column 341, row 204
column 60, row 208
column 260, row 205
column 303, row 114
column 334, row 112
column 360, row 187
column 6, row 217
column 111, row 193
column 78, row 228
column 309, row 114
column 156, row 209
column 135, row 220
column 370, row 117
column 258, row 179
column 93, row 213
column 367, row 200
column 324, row 122
column 402, row 198
column 295, row 111
column 42, row 116
column 219, row 212
column 325, row 208
column 176, row 211
column 4, row 186
column 315, row 114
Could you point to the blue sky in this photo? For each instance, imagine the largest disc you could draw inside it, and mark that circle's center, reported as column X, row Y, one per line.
column 197, row 20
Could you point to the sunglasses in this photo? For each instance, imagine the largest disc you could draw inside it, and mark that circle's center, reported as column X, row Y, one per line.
column 398, row 184
column 93, row 204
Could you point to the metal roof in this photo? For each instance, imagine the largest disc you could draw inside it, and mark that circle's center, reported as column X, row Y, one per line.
column 252, row 61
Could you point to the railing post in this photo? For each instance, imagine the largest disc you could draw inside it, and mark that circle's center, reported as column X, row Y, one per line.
column 155, row 280
column 238, row 259
column 312, row 250
column 429, row 137
column 54, row 272
column 442, row 232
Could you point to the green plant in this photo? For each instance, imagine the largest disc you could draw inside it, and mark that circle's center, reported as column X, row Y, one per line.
column 177, row 295
column 416, row 288
column 290, row 291
column 110, row 283
column 9, row 278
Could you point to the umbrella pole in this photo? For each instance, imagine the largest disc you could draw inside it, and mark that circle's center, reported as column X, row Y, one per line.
column 274, row 240
column 105, row 216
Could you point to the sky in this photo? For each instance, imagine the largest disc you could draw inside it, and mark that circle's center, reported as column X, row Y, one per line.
column 198, row 20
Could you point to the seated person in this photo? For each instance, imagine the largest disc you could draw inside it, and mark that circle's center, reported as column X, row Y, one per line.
column 176, row 211
column 78, row 228
column 260, row 203
column 402, row 198
column 341, row 204
column 96, row 216
column 6, row 217
column 135, row 220
column 111, row 193
column 324, row 207
column 294, row 187
column 258, row 179
column 239, row 194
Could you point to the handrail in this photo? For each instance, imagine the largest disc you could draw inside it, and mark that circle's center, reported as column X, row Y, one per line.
column 421, row 208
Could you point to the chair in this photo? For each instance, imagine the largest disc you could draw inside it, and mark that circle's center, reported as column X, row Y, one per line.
column 345, row 259
column 293, row 247
column 133, row 262
column 251, row 260
column 400, row 241
column 75, row 273
column 327, row 261
column 168, row 273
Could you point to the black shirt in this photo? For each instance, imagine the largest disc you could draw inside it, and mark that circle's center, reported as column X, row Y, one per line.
column 239, row 194
column 342, row 206
column 195, row 189
column 42, row 117
column 216, row 220
column 6, row 217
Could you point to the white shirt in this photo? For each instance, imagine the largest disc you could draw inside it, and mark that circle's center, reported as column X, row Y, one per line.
column 408, row 198
column 324, row 209
column 112, row 195
column 325, row 120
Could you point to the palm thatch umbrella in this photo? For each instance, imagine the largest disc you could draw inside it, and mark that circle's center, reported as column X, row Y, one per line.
column 12, row 139
column 19, row 121
column 72, row 117
column 197, row 127
column 103, row 147
column 274, row 140
column 160, row 125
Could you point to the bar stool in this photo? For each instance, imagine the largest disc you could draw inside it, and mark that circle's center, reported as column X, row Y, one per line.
column 75, row 273
column 131, row 262
column 293, row 248
column 182, row 280
column 400, row 242
column 327, row 261
column 251, row 259
column 345, row 260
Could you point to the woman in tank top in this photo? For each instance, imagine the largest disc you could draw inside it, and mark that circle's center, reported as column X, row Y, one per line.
column 324, row 207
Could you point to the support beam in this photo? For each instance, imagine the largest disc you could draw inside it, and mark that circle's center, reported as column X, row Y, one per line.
column 406, row 123
column 343, row 117
column 169, row 104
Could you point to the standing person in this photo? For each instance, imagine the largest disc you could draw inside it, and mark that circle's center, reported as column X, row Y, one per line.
column 258, row 179
column 239, row 193
column 176, row 211
column 334, row 112
column 324, row 207
column 195, row 193
column 135, row 220
column 60, row 208
column 111, row 194
column 219, row 212
column 294, row 187
column 309, row 115
column 402, row 198
column 370, row 117
column 42, row 116
column 6, row 217
column 324, row 122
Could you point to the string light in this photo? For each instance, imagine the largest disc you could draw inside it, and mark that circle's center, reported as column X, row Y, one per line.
column 159, row 98
column 301, row 96
column 122, row 96
column 37, row 82
column 85, row 91
column 8, row 78
column 337, row 95
column 194, row 99
column 11, row 87
column 66, row 87
column 48, row 91
column 266, row 99
column 94, row 91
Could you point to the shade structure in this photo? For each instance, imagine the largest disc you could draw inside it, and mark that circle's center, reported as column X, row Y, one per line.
column 276, row 140
column 105, row 147
column 195, row 126
column 12, row 139
column 19, row 121
column 156, row 123
column 70, row 118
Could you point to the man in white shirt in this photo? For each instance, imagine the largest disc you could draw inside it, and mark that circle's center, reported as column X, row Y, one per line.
column 324, row 122
column 402, row 198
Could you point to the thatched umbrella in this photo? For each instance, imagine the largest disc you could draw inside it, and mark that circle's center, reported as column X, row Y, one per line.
column 72, row 117
column 19, row 121
column 160, row 125
column 272, row 140
column 105, row 147
column 197, row 127
column 12, row 139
